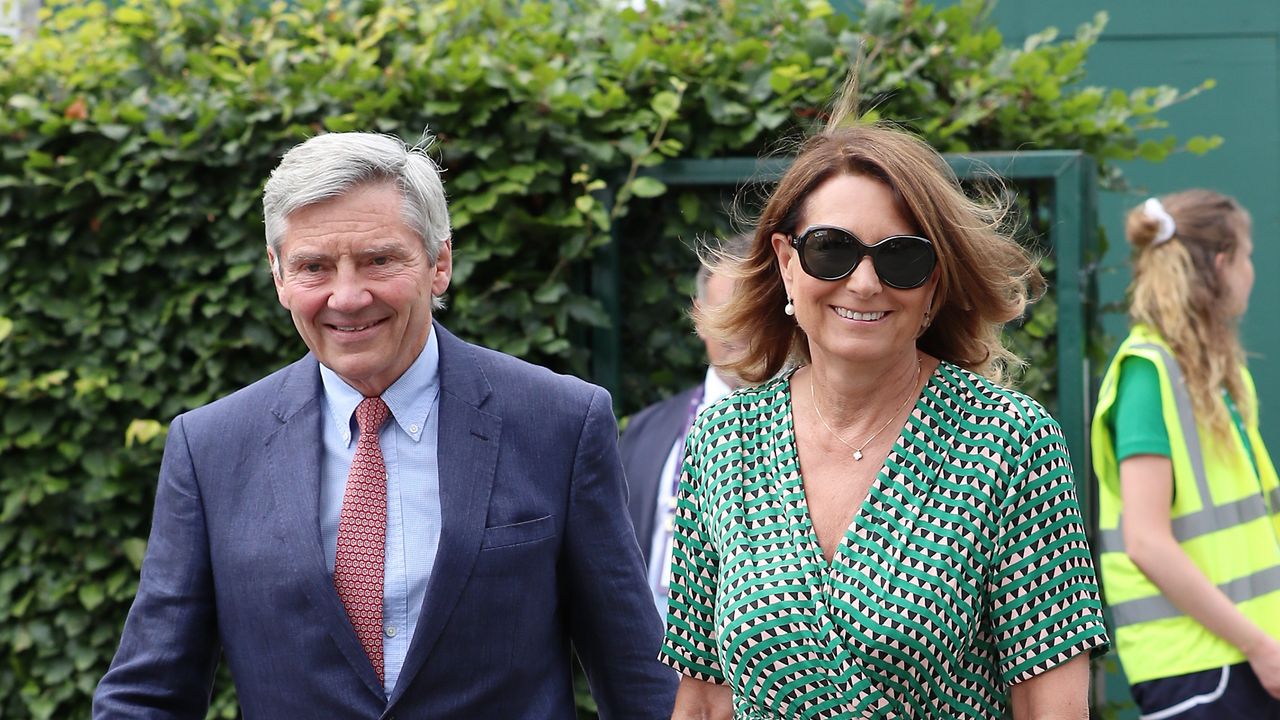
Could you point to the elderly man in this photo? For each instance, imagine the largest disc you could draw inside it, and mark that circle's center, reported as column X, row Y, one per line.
column 400, row 524
column 653, row 444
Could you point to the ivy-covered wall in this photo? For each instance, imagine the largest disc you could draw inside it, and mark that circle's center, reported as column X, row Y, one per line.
column 135, row 137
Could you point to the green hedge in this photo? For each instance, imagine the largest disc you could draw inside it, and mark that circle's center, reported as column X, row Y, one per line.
column 135, row 137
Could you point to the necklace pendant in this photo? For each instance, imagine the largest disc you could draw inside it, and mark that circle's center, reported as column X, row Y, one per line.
column 857, row 454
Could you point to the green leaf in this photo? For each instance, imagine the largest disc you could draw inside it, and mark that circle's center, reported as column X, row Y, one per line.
column 346, row 122
column 550, row 293
column 134, row 549
column 1152, row 151
column 647, row 187
column 21, row 640
column 38, row 160
column 114, row 132
column 1198, row 144
column 96, row 559
column 22, row 101
column 666, row 104
column 129, row 16
column 91, row 595
column 142, row 430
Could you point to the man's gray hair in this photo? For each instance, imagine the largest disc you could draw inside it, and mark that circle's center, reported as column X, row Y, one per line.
column 735, row 248
column 331, row 165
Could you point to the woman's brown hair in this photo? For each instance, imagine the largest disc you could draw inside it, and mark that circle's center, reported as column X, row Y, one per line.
column 985, row 277
column 1177, row 291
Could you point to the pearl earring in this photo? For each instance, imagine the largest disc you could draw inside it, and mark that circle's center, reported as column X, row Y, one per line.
column 789, row 308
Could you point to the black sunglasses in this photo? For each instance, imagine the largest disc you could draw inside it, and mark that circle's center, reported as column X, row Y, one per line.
column 832, row 253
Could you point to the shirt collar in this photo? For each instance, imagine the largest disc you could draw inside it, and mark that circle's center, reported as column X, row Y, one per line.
column 713, row 387
column 410, row 398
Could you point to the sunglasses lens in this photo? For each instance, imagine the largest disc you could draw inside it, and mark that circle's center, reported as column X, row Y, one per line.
column 901, row 261
column 830, row 254
column 904, row 261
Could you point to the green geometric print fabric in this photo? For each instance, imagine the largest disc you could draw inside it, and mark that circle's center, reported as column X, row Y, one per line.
column 965, row 570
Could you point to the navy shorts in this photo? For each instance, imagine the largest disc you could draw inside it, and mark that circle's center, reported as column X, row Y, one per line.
column 1228, row 692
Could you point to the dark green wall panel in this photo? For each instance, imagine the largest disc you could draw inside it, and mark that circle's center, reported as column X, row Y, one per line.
column 1237, row 43
column 1145, row 18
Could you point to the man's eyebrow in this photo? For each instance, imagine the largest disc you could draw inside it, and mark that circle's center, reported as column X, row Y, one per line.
column 387, row 249
column 299, row 258
column 303, row 257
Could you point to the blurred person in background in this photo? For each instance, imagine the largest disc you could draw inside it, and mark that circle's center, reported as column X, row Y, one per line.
column 652, row 446
column 874, row 527
column 1189, row 505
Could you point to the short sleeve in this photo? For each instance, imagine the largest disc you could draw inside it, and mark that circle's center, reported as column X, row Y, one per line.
column 1138, row 418
column 1044, row 606
column 690, row 645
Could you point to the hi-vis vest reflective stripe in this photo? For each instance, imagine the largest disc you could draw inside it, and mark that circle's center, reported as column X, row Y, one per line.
column 1233, row 542
column 1209, row 519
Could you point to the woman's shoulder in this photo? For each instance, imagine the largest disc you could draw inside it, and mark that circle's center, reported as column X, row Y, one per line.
column 981, row 401
column 748, row 405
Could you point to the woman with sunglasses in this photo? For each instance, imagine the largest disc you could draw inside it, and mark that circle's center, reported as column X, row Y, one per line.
column 1189, row 501
column 875, row 527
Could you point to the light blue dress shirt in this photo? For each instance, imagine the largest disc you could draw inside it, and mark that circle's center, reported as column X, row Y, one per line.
column 408, row 443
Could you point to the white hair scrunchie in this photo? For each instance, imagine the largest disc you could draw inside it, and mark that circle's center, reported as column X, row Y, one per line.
column 1154, row 209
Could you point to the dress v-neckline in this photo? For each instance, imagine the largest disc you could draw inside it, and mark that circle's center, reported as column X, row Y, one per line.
column 807, row 533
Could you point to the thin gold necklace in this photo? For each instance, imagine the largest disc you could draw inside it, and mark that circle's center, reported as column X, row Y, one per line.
column 857, row 451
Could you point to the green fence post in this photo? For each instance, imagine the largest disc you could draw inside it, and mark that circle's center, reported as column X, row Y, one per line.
column 1067, row 237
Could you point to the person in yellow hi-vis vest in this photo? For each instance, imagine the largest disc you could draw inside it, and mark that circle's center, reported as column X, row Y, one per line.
column 1189, row 503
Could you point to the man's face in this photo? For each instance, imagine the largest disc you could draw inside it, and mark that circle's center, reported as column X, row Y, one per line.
column 717, row 291
column 358, row 284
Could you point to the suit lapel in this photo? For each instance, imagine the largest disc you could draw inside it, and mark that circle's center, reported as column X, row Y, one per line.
column 293, row 454
column 467, row 457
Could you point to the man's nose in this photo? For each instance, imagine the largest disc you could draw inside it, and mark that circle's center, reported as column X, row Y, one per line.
column 350, row 292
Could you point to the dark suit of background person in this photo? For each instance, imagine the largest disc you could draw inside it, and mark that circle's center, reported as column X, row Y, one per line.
column 653, row 443
column 534, row 551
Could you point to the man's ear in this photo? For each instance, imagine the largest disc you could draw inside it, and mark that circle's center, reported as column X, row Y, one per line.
column 443, row 268
column 273, row 266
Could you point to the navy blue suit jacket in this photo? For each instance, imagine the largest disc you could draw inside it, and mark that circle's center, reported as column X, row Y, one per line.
column 645, row 446
column 535, row 553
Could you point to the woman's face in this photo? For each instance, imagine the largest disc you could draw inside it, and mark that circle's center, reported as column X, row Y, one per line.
column 1236, row 272
column 858, row 318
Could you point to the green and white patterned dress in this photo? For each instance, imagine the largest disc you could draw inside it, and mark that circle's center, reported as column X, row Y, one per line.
column 965, row 570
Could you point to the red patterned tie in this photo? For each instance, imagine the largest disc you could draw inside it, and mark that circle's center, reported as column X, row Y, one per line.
column 362, row 533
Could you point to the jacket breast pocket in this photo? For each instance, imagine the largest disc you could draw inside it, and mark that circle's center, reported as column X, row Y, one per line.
column 518, row 533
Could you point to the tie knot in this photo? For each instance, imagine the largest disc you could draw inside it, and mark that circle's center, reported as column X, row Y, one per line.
column 371, row 413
